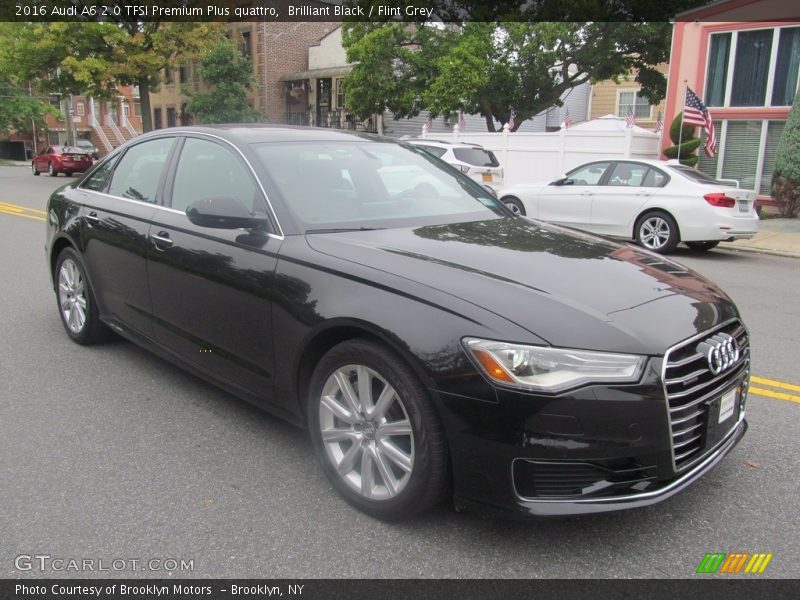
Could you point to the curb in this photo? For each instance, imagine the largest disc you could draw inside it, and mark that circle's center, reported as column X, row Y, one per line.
column 753, row 250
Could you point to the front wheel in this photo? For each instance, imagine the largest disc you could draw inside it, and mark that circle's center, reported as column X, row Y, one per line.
column 703, row 246
column 51, row 171
column 34, row 169
column 375, row 431
column 657, row 231
column 68, row 173
column 76, row 302
column 514, row 205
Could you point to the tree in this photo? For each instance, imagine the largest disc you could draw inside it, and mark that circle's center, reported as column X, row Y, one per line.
column 506, row 58
column 229, row 73
column 19, row 107
column 93, row 58
column 786, row 176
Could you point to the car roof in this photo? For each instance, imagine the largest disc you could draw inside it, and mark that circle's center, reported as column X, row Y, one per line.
column 442, row 143
column 250, row 133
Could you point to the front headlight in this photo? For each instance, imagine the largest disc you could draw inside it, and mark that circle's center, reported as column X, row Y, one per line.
column 546, row 369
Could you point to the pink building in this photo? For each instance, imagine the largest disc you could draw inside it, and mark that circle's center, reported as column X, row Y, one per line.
column 742, row 57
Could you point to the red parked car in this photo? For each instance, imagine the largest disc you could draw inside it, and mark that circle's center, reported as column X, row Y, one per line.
column 61, row 159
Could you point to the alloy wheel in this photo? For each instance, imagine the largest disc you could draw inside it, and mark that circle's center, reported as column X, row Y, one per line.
column 654, row 233
column 366, row 432
column 72, row 296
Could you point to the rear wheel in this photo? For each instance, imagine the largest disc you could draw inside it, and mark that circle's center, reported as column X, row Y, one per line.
column 375, row 431
column 702, row 246
column 657, row 231
column 514, row 205
column 76, row 302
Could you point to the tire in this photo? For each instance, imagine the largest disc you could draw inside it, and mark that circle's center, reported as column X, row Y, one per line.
column 68, row 173
column 34, row 169
column 51, row 171
column 657, row 231
column 703, row 246
column 76, row 302
column 403, row 441
column 514, row 205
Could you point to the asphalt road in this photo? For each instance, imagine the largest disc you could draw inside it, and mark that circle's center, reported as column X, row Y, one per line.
column 111, row 453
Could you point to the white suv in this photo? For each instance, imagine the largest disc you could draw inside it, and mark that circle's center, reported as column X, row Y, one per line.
column 471, row 159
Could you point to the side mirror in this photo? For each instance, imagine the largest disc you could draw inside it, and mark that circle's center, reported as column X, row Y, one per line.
column 223, row 212
column 563, row 181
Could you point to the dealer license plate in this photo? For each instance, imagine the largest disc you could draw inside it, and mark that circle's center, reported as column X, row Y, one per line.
column 727, row 405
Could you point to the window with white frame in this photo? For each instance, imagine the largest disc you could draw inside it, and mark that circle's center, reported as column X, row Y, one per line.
column 754, row 67
column 339, row 93
column 747, row 151
column 633, row 101
column 80, row 108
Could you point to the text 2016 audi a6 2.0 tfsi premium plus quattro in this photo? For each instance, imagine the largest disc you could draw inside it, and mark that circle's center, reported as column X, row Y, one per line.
column 433, row 343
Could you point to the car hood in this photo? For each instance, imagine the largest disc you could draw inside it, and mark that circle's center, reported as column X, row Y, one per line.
column 567, row 288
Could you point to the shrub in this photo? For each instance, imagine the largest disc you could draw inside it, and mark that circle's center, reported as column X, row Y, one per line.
column 786, row 176
column 688, row 143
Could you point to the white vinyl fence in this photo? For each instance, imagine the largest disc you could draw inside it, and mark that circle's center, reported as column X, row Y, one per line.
column 537, row 157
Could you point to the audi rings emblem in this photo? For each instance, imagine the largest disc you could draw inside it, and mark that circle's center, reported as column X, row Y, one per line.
column 721, row 352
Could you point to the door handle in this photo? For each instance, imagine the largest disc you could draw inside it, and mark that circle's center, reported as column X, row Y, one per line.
column 161, row 240
column 92, row 218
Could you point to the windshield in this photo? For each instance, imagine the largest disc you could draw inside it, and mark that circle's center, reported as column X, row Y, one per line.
column 476, row 156
column 361, row 184
column 696, row 175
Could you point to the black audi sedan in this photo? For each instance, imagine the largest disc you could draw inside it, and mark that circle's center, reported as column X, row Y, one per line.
column 433, row 344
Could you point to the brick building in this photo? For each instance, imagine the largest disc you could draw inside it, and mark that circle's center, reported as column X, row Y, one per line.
column 275, row 49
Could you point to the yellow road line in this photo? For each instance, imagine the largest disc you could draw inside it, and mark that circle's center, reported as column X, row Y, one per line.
column 776, row 395
column 18, row 207
column 19, row 214
column 777, row 384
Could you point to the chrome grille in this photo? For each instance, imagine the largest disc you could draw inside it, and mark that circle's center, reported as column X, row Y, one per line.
column 690, row 386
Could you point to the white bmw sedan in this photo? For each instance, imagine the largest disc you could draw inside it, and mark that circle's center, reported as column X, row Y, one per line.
column 658, row 204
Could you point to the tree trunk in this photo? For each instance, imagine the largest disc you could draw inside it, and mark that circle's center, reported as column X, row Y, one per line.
column 144, row 96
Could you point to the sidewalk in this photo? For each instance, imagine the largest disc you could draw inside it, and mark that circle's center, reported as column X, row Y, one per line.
column 780, row 237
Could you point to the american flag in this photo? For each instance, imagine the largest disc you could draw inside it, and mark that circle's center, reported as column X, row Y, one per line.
column 696, row 113
column 630, row 119
column 567, row 120
column 659, row 123
column 462, row 124
column 429, row 123
column 511, row 121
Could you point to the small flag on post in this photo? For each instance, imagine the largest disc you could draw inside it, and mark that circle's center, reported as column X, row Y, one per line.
column 630, row 119
column 567, row 120
column 429, row 123
column 462, row 124
column 659, row 123
column 511, row 122
column 696, row 113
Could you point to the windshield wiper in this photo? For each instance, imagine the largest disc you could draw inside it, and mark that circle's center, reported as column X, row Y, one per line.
column 340, row 229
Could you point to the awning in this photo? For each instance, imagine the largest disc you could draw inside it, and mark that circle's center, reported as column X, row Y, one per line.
column 318, row 73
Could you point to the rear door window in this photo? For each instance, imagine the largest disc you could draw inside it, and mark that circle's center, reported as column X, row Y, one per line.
column 139, row 171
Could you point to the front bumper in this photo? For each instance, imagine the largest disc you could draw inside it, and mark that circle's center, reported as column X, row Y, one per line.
column 599, row 448
column 558, row 507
